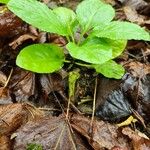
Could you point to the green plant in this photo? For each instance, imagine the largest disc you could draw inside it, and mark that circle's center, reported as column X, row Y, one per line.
column 33, row 146
column 106, row 39
column 4, row 1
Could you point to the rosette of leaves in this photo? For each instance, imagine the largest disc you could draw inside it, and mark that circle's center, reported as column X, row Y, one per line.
column 105, row 41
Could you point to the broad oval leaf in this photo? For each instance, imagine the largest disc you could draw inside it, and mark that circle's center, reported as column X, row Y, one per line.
column 37, row 14
column 117, row 46
column 110, row 69
column 92, row 13
column 67, row 18
column 91, row 53
column 41, row 58
column 118, row 30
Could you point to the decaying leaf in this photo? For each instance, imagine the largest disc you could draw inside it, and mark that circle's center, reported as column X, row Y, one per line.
column 22, row 84
column 112, row 103
column 22, row 39
column 132, row 15
column 50, row 133
column 139, row 143
column 10, row 24
column 102, row 135
column 3, row 78
column 5, row 97
column 12, row 116
column 138, row 69
column 5, row 143
column 51, row 82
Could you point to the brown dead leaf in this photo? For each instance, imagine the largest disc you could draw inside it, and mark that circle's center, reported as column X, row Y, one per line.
column 22, row 39
column 3, row 78
column 102, row 135
column 5, row 143
column 134, row 4
column 132, row 15
column 13, row 116
column 50, row 133
column 138, row 69
column 10, row 24
column 139, row 143
column 51, row 82
column 22, row 84
column 5, row 97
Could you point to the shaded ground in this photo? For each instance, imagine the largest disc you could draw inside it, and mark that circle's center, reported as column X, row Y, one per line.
column 33, row 106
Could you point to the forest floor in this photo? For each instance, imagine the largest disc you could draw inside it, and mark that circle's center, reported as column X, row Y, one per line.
column 34, row 113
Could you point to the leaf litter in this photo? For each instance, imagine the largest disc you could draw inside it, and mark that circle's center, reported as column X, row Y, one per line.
column 116, row 100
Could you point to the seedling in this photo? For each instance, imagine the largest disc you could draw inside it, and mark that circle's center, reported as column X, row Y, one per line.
column 105, row 39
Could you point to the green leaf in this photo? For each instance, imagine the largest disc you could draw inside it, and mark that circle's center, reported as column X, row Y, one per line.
column 4, row 1
column 118, row 30
column 38, row 15
column 41, row 58
column 110, row 69
column 117, row 46
column 33, row 146
column 67, row 19
column 90, row 52
column 92, row 13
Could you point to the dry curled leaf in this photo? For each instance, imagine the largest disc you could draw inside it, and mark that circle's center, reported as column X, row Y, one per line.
column 22, row 39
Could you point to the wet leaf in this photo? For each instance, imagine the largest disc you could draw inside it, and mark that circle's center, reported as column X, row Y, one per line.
column 50, row 133
column 41, row 58
column 112, row 104
column 118, row 30
column 91, row 13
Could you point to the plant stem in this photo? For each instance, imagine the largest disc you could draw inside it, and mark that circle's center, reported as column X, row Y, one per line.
column 84, row 65
column 68, row 39
column 67, row 61
column 79, row 64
